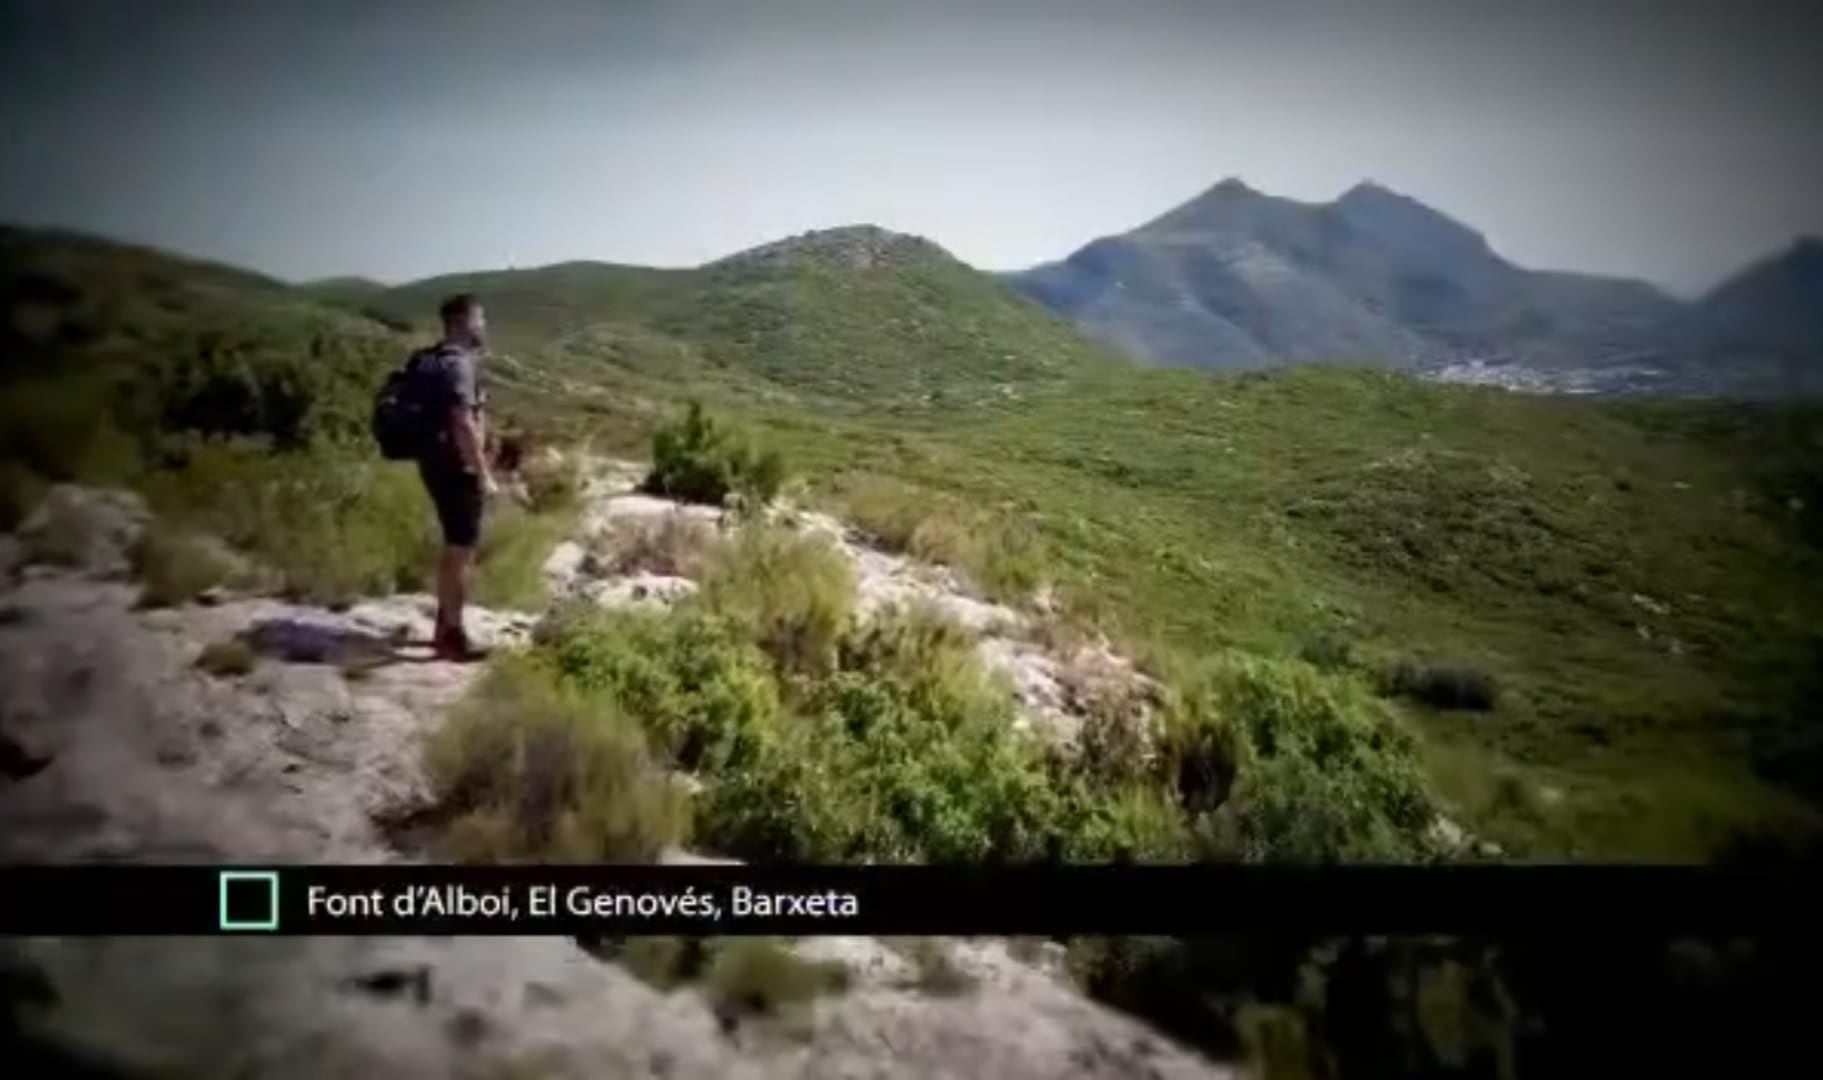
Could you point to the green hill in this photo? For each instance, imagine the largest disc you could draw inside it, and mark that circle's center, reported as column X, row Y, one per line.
column 858, row 316
column 870, row 317
column 141, row 345
column 1602, row 616
column 1638, row 581
column 537, row 307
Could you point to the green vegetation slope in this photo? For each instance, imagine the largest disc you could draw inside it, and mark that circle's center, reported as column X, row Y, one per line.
column 1602, row 616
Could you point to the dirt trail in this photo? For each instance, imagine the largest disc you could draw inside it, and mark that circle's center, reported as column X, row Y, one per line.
column 117, row 747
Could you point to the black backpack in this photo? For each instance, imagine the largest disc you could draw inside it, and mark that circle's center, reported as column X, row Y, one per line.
column 402, row 421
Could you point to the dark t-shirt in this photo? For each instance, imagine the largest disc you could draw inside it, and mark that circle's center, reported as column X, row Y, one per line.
column 448, row 377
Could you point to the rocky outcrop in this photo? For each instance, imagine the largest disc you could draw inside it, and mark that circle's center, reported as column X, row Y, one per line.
column 116, row 745
column 1056, row 691
column 413, row 1008
column 95, row 530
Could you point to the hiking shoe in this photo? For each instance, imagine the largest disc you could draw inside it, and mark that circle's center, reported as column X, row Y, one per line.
column 454, row 645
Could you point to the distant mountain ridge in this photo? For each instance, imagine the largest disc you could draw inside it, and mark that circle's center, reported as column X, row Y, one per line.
column 1238, row 278
column 1233, row 278
column 856, row 315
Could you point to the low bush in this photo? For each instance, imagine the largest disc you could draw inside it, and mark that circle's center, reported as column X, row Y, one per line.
column 1442, row 686
column 177, row 566
column 20, row 490
column 1001, row 556
column 527, row 770
column 702, row 692
column 334, row 524
column 742, row 978
column 928, row 654
column 1121, row 822
column 906, row 752
column 793, row 593
column 1281, row 761
column 1278, row 1042
column 696, row 458
column 509, row 562
column 887, row 511
column 674, row 544
column 60, row 534
column 228, row 658
column 757, row 977
column 1329, row 651
column 915, row 758
column 663, row 962
column 61, row 428
column 553, row 483
column 935, row 970
column 864, row 775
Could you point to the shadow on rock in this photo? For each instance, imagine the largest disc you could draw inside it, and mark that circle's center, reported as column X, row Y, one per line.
column 306, row 641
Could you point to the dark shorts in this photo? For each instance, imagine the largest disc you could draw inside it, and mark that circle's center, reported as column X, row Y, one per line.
column 457, row 497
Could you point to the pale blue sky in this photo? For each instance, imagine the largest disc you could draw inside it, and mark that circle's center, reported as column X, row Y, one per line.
column 1668, row 140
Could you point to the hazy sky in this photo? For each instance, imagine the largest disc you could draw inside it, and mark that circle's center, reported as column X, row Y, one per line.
column 1669, row 140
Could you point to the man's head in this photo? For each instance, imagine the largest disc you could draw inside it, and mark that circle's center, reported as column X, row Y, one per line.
column 463, row 320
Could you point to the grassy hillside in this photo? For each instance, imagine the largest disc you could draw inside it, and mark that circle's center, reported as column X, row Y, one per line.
column 141, row 347
column 1637, row 582
column 533, row 308
column 865, row 316
column 855, row 317
column 1579, row 628
column 1601, row 616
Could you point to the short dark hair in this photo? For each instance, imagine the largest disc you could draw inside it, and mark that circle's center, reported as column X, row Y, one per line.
column 458, row 306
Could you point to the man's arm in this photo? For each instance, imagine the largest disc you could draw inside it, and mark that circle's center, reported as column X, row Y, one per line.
column 465, row 428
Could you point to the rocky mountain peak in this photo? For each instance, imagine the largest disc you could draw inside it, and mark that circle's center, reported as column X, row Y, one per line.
column 856, row 247
column 1371, row 191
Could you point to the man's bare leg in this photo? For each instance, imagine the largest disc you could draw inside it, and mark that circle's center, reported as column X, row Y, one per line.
column 452, row 589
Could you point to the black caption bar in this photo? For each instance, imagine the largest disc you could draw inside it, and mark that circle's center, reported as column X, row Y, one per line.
column 1048, row 900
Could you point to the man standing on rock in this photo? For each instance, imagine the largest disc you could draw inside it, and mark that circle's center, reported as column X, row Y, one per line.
column 453, row 464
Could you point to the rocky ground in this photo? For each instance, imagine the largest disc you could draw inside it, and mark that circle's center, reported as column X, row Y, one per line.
column 115, row 745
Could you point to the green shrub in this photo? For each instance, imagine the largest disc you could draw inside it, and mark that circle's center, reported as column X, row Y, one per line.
column 61, row 535
column 906, row 753
column 509, row 561
column 794, row 594
column 1158, row 979
column 1126, row 822
column 742, row 978
column 867, row 773
column 695, row 458
column 1316, row 768
column 1442, row 686
column 291, row 374
column 1004, row 557
column 386, row 318
column 887, row 511
column 177, row 566
column 1278, row 1043
column 664, row 962
column 227, row 658
column 20, row 490
column 526, row 770
column 935, row 970
column 553, row 483
column 757, row 977
column 1329, row 651
column 702, row 692
column 1201, row 749
column 928, row 654
column 334, row 523
column 62, row 429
